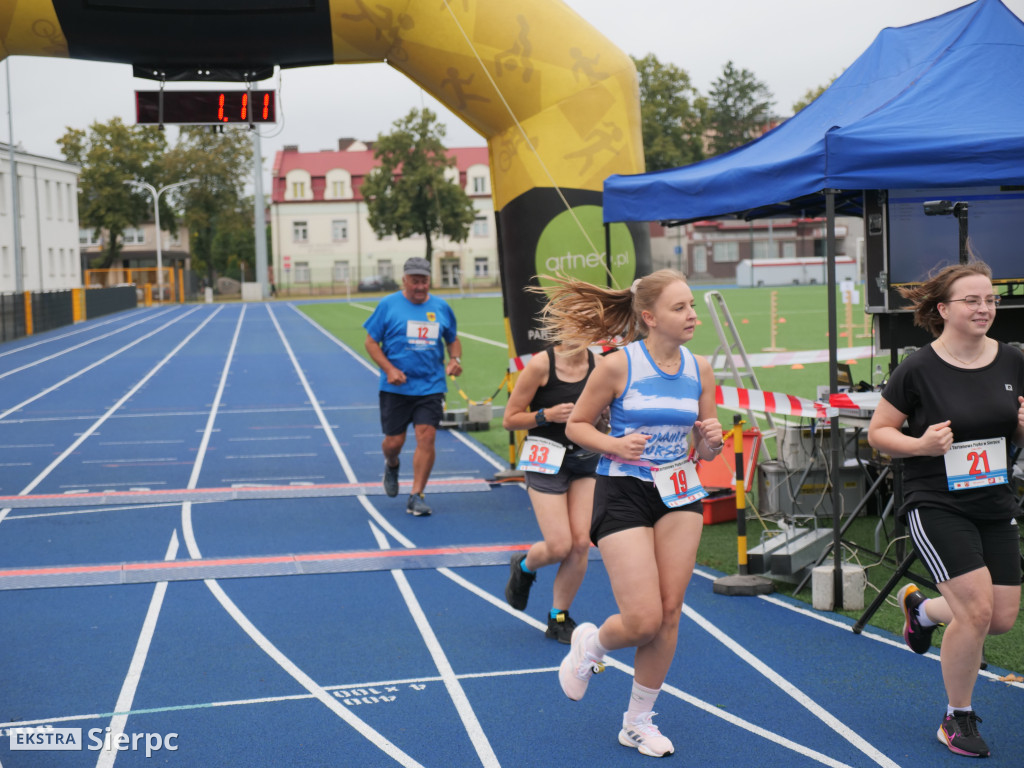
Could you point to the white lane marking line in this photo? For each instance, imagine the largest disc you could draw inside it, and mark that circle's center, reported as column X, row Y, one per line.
column 73, row 348
column 110, row 411
column 240, row 618
column 99, row 362
column 710, row 709
column 484, row 454
column 131, row 681
column 458, row 696
column 787, row 687
column 451, row 681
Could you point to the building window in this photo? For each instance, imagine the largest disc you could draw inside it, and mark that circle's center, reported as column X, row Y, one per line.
column 298, row 190
column 724, row 253
column 479, row 185
column 5, row 261
column 48, row 197
column 789, row 250
column 480, row 266
column 339, row 230
column 340, row 272
column 89, row 237
column 60, row 202
column 338, row 189
column 385, row 268
column 764, row 249
column 133, row 236
column 480, row 228
column 300, row 233
column 301, row 271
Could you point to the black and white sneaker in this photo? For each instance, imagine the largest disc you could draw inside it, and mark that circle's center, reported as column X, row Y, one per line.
column 918, row 638
column 560, row 627
column 517, row 591
column 959, row 732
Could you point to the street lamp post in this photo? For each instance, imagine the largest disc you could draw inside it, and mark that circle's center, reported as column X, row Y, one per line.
column 156, row 217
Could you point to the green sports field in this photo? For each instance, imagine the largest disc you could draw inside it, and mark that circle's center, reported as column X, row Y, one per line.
column 799, row 318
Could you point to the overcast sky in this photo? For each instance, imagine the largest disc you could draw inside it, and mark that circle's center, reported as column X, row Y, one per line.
column 790, row 45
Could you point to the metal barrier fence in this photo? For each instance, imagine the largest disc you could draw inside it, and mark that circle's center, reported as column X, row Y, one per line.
column 25, row 314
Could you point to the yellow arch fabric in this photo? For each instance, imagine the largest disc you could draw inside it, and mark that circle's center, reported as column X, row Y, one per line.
column 574, row 95
column 30, row 27
column 557, row 103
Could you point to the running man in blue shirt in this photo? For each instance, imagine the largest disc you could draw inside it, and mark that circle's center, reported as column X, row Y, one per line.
column 406, row 336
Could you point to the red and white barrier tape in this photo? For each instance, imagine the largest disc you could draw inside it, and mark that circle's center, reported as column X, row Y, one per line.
column 739, row 399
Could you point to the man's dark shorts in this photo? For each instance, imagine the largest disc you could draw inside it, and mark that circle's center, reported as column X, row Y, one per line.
column 397, row 412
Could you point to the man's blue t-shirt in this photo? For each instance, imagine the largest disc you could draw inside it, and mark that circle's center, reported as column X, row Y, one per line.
column 414, row 338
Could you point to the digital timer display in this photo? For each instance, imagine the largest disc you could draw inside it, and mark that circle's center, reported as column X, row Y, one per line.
column 204, row 107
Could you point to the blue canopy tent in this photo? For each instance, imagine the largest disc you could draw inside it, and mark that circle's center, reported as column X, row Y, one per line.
column 939, row 103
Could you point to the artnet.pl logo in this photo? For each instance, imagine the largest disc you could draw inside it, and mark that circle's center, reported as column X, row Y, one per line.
column 47, row 738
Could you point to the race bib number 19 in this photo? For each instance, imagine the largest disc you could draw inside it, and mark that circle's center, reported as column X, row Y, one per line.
column 678, row 483
column 976, row 463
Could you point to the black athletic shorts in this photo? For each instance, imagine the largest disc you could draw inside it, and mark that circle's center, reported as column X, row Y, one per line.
column 951, row 545
column 628, row 502
column 577, row 465
column 397, row 412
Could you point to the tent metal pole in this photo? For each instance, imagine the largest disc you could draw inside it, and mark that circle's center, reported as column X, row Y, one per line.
column 833, row 382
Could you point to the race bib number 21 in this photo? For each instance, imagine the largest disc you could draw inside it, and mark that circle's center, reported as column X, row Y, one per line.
column 976, row 463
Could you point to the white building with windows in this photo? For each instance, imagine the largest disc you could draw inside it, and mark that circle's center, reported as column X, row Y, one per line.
column 47, row 206
column 322, row 241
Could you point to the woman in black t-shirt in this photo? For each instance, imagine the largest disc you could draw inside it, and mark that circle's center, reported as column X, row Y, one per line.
column 962, row 399
column 563, row 502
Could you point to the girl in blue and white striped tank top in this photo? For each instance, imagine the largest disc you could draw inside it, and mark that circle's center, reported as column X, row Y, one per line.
column 662, row 403
column 655, row 403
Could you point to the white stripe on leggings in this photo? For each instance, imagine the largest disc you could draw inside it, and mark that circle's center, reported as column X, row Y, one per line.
column 924, row 547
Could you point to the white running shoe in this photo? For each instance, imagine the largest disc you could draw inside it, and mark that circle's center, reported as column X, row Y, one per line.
column 643, row 735
column 578, row 667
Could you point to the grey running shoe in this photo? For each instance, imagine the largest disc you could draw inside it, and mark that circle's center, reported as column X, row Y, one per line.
column 417, row 506
column 959, row 732
column 517, row 591
column 561, row 627
column 643, row 735
column 390, row 479
column 918, row 638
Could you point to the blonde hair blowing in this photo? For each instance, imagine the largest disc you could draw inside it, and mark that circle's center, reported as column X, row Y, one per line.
column 579, row 314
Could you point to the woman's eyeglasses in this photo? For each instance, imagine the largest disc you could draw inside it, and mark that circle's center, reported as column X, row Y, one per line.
column 975, row 302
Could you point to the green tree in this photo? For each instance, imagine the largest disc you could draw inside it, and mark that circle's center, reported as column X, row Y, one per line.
column 408, row 193
column 811, row 95
column 110, row 153
column 670, row 115
column 215, row 209
column 739, row 107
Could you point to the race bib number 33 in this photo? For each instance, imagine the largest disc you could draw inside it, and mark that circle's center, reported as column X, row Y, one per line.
column 541, row 455
column 976, row 463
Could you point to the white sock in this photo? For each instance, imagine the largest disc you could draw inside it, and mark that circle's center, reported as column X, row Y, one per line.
column 641, row 701
column 950, row 709
column 593, row 647
column 923, row 617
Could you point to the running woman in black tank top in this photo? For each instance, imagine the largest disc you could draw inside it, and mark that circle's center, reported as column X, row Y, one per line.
column 541, row 402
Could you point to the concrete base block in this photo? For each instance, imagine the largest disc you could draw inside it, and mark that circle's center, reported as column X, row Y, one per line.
column 823, row 593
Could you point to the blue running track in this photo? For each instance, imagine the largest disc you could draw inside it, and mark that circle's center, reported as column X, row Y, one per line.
column 194, row 541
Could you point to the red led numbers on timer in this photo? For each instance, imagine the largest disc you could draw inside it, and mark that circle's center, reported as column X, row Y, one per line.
column 679, row 481
column 974, row 457
column 266, row 105
column 538, row 454
column 245, row 107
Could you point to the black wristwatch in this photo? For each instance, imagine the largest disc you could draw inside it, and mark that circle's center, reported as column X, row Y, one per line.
column 541, row 421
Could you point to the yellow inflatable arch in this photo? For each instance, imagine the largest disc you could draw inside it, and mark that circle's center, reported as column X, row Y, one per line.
column 556, row 101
